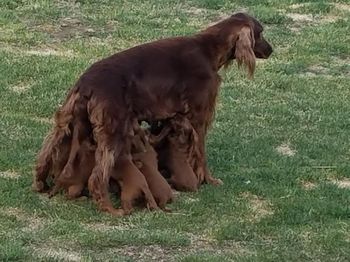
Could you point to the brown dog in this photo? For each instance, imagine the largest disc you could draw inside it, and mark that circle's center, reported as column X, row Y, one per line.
column 133, row 185
column 153, row 81
column 82, row 168
column 159, row 187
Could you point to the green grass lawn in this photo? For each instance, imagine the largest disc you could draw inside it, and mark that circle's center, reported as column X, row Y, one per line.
column 280, row 143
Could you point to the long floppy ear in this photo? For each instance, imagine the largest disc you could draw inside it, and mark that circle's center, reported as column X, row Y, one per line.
column 244, row 50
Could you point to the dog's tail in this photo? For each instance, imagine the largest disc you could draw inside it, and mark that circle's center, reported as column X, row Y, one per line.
column 65, row 114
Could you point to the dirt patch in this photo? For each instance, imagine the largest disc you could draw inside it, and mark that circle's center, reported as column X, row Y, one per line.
column 67, row 28
column 258, row 206
column 9, row 174
column 342, row 183
column 57, row 253
column 285, row 150
column 72, row 28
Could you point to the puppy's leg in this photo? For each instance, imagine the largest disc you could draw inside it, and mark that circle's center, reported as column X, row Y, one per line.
column 150, row 202
column 126, row 200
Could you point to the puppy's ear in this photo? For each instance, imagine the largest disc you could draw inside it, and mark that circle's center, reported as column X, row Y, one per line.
column 244, row 50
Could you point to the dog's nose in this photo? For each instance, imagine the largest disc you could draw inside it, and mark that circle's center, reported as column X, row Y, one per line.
column 268, row 50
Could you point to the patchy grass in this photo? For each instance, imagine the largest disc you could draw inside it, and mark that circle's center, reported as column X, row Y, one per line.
column 280, row 142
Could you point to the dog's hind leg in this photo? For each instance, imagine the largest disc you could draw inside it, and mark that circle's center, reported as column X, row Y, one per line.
column 98, row 182
column 112, row 134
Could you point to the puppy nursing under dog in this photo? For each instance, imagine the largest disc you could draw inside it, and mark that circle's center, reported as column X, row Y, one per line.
column 172, row 80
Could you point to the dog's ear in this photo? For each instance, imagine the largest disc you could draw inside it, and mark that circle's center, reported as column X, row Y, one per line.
column 244, row 50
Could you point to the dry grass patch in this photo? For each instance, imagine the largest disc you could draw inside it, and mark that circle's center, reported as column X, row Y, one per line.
column 258, row 206
column 341, row 183
column 300, row 18
column 188, row 199
column 57, row 253
column 39, row 51
column 200, row 244
column 342, row 7
column 101, row 227
column 20, row 87
column 9, row 174
column 285, row 150
column 143, row 253
column 50, row 52
column 308, row 185
column 43, row 120
column 315, row 71
column 32, row 222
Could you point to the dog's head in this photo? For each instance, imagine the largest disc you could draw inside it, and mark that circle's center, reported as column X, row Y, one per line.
column 249, row 42
column 243, row 35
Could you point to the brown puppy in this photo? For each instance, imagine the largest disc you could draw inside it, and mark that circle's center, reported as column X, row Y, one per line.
column 159, row 187
column 176, row 145
column 133, row 185
column 182, row 176
column 82, row 168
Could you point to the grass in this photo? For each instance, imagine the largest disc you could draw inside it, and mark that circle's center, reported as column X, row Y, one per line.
column 280, row 142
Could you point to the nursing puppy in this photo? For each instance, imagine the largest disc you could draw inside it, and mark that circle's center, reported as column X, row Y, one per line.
column 175, row 144
column 81, row 170
column 133, row 186
column 146, row 154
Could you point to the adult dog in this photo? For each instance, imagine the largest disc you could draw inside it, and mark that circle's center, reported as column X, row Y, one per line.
column 153, row 81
